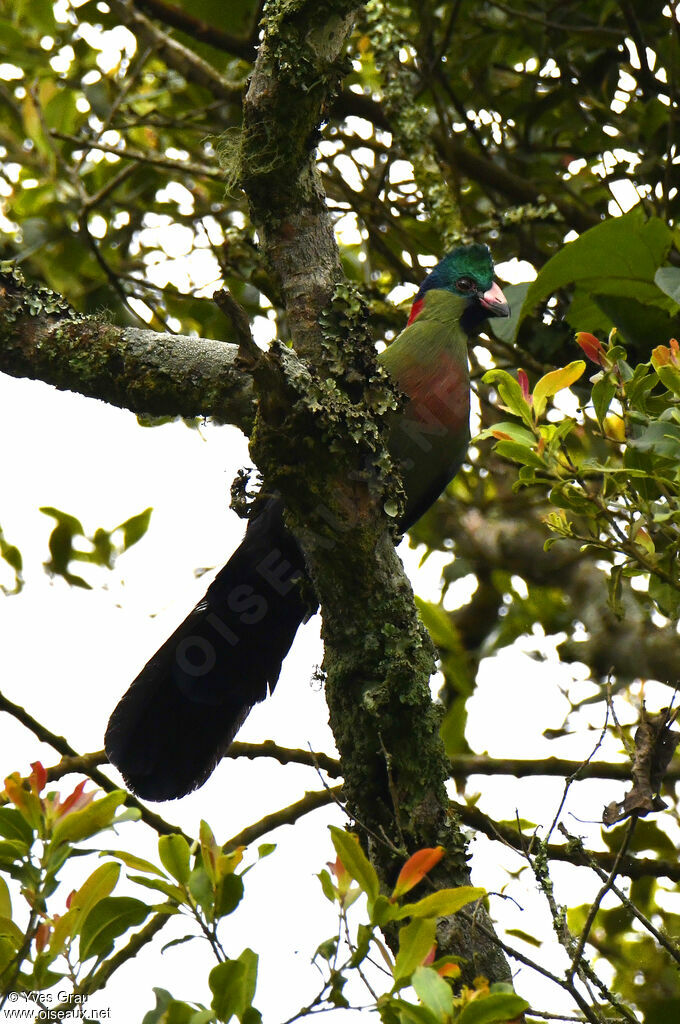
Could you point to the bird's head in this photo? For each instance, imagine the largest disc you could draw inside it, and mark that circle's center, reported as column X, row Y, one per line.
column 468, row 272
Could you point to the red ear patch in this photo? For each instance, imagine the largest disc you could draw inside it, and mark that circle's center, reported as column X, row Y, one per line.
column 415, row 310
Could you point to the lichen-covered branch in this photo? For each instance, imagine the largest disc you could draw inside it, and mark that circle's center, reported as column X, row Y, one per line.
column 42, row 338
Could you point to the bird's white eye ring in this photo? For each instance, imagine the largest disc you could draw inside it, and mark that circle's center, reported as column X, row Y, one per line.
column 465, row 284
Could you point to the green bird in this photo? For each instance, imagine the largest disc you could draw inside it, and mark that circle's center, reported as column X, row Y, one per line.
column 182, row 712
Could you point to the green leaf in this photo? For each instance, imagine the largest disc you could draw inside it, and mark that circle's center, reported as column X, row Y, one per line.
column 233, row 985
column 410, row 1014
column 439, row 624
column 201, row 888
column 665, row 596
column 433, row 992
column 660, row 437
column 135, row 527
column 518, row 933
column 327, row 885
column 160, row 885
column 614, row 587
column 174, row 853
column 511, row 394
column 513, row 430
column 5, row 899
column 618, row 256
column 228, row 895
column 556, row 380
column 602, row 394
column 383, row 910
column 441, row 903
column 416, row 939
column 521, row 453
column 496, row 1007
column 14, row 826
column 505, row 328
column 163, row 1000
column 668, row 280
column 11, row 931
column 355, row 861
column 202, row 1017
column 111, row 917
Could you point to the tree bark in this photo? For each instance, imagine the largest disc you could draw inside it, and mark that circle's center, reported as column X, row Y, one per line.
column 378, row 657
column 42, row 338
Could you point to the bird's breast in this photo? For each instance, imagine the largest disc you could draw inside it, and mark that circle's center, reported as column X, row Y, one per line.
column 440, row 398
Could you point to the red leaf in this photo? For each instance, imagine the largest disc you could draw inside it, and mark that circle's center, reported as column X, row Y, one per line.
column 415, row 868
column 38, row 777
column 76, row 801
column 592, row 347
column 42, row 934
column 448, row 971
column 524, row 384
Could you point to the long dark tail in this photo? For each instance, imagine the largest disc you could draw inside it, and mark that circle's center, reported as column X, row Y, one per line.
column 186, row 705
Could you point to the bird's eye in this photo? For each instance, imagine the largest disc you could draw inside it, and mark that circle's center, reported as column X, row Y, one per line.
column 465, row 284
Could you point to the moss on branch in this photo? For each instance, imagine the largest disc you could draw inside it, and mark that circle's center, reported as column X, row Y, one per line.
column 43, row 338
column 319, row 440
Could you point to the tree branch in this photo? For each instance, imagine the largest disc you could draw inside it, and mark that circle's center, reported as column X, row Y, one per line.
column 62, row 746
column 201, row 31
column 192, row 67
column 42, row 338
column 285, row 816
column 571, row 853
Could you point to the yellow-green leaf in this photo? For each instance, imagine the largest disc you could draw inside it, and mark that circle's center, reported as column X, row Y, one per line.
column 12, row 931
column 433, row 992
column 442, row 903
column 100, row 884
column 132, row 861
column 511, row 394
column 5, row 900
column 556, row 381
column 355, row 861
column 82, row 824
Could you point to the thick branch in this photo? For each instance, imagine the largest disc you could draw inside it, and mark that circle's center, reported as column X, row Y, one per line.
column 377, row 657
column 141, row 370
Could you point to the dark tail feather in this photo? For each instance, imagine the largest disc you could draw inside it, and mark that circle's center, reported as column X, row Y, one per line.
column 186, row 705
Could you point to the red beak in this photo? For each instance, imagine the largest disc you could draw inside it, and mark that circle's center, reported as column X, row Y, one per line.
column 495, row 302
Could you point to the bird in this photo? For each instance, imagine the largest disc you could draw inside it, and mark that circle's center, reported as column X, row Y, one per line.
column 182, row 712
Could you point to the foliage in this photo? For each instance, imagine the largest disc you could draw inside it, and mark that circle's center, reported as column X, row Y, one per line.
column 551, row 134
column 199, row 880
